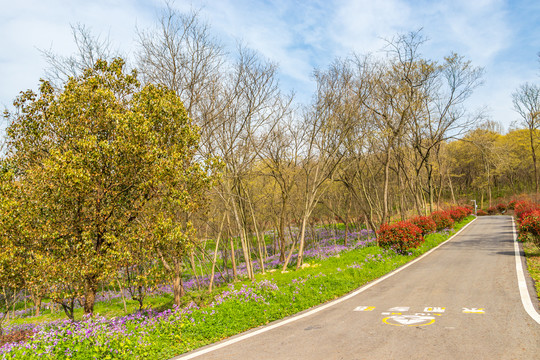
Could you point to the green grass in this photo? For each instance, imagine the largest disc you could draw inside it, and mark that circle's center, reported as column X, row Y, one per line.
column 272, row 296
column 532, row 253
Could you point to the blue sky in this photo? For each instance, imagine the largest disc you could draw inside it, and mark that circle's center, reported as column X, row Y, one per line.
column 501, row 36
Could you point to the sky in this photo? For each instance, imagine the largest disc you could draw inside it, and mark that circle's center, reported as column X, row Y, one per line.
column 503, row 37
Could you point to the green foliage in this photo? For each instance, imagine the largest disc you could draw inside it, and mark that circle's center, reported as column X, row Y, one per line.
column 101, row 165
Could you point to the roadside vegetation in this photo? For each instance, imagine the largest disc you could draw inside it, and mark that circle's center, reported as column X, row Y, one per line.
column 161, row 331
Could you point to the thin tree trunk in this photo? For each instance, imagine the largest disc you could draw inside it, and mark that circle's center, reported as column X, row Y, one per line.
column 243, row 242
column 194, row 269
column 302, row 241
column 386, row 184
column 215, row 254
column 289, row 256
column 123, row 296
column 451, row 187
column 233, row 256
column 261, row 257
column 533, row 154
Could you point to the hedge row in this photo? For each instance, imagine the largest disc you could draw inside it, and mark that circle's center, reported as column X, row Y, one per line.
column 527, row 216
column 405, row 235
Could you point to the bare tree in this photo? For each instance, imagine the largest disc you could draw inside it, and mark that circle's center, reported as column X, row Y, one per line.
column 90, row 48
column 526, row 100
column 181, row 54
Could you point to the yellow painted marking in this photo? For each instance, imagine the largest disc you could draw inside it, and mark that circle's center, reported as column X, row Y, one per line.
column 434, row 309
column 473, row 311
column 365, row 308
column 404, row 323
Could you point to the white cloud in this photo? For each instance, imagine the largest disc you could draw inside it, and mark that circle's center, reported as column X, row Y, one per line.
column 299, row 35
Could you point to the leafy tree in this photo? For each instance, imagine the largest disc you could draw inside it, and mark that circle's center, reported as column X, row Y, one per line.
column 94, row 159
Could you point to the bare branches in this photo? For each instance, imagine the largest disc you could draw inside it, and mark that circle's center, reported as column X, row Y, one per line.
column 90, row 49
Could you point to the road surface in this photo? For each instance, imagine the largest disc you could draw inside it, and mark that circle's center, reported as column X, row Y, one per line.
column 462, row 301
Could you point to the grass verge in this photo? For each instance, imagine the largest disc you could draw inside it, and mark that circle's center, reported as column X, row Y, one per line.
column 238, row 307
column 532, row 253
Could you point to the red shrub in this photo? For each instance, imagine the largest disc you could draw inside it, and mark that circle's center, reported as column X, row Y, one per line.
column 501, row 208
column 400, row 236
column 523, row 208
column 459, row 213
column 442, row 219
column 481, row 212
column 425, row 223
column 512, row 204
column 530, row 225
column 492, row 210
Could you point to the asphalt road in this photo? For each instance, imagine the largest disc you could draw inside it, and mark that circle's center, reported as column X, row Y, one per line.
column 460, row 302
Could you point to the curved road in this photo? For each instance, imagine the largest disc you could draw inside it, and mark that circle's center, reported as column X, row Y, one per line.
column 460, row 302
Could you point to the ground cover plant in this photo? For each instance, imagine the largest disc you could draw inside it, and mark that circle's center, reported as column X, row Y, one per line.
column 236, row 307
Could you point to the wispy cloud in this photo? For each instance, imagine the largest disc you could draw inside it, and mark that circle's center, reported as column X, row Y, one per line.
column 299, row 35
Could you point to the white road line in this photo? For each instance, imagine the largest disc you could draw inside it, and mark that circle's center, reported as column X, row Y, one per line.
column 316, row 310
column 522, row 284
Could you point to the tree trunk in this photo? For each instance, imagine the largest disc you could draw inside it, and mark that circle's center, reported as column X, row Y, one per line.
column 90, row 294
column 261, row 256
column 178, row 286
column 215, row 254
column 533, row 153
column 282, row 233
column 386, row 183
column 233, row 256
column 451, row 187
column 194, row 269
column 123, row 296
column 244, row 243
column 302, row 241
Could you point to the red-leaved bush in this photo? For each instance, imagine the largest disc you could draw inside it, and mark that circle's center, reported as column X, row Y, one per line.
column 512, row 204
column 530, row 225
column 458, row 213
column 523, row 208
column 400, row 236
column 442, row 219
column 425, row 223
column 481, row 212
column 492, row 210
column 501, row 208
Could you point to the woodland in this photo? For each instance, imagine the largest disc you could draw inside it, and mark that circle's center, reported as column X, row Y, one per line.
column 182, row 168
